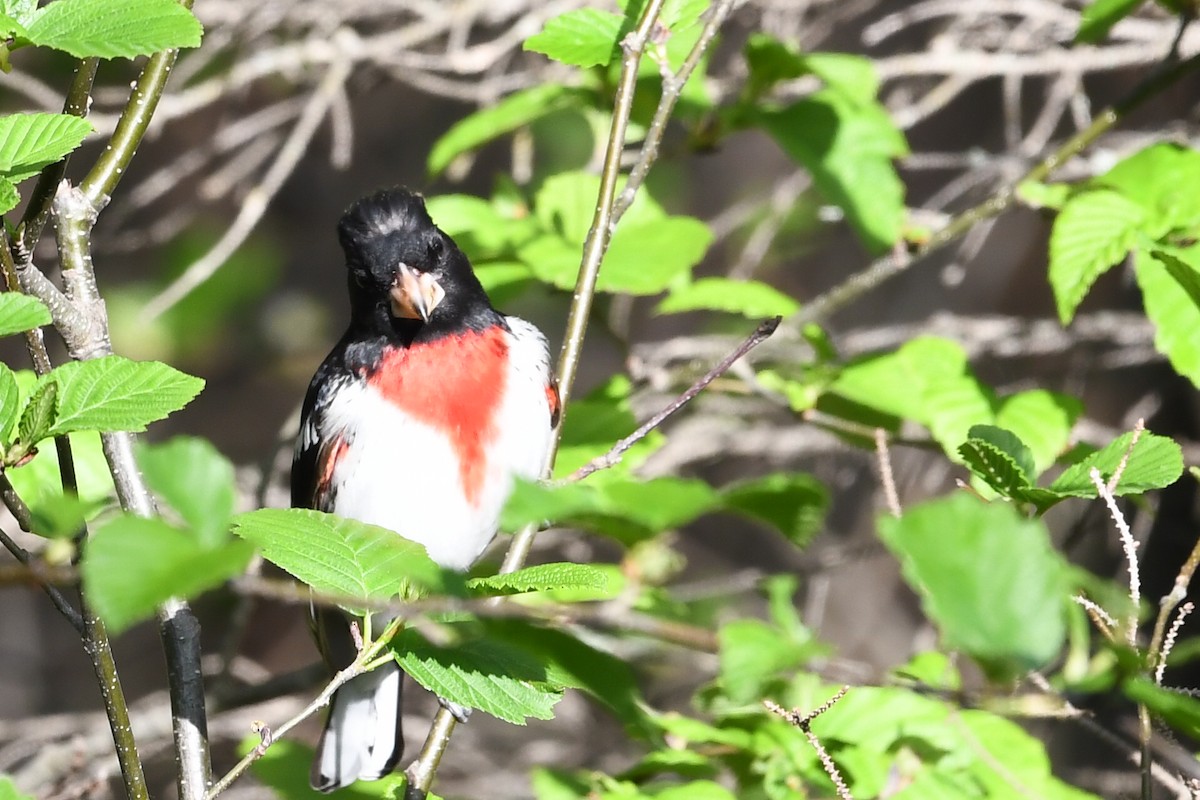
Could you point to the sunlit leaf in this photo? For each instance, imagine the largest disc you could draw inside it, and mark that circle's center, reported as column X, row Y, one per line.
column 989, row 578
column 115, row 394
column 340, row 556
column 167, row 562
column 1094, row 231
column 114, row 28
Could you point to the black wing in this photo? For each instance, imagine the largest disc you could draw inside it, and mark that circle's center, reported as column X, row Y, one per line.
column 317, row 448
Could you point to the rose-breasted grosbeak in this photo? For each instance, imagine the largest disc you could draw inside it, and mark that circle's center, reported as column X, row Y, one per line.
column 417, row 421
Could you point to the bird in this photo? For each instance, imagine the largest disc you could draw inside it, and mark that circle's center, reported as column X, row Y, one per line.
column 419, row 420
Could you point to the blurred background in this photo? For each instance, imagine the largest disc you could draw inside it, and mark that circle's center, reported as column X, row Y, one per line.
column 253, row 156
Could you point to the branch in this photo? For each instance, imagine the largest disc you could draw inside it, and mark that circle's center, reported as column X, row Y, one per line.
column 139, row 109
column 672, row 88
column 892, row 265
column 613, row 456
column 257, row 201
column 37, row 211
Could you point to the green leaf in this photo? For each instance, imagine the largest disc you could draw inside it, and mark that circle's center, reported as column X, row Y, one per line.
column 1005, row 756
column 646, row 258
column 1185, row 273
column 1179, row 710
column 1173, row 311
column 167, row 562
column 1094, row 231
column 1042, row 420
column 752, row 299
column 1157, row 178
column 284, row 767
column 9, row 790
column 853, row 76
column 989, row 578
column 29, row 142
column 485, row 230
column 1154, row 463
column 999, row 457
column 927, row 380
column 649, row 250
column 848, row 147
column 21, row 10
column 542, row 578
column 39, row 483
column 752, row 654
column 586, row 37
column 10, row 405
column 9, row 196
column 623, row 507
column 20, row 312
column 1099, row 16
column 694, row 790
column 792, row 503
column 196, row 481
column 515, row 111
column 484, row 674
column 771, row 61
column 115, row 394
column 578, row 665
column 38, row 418
column 114, row 28
column 340, row 556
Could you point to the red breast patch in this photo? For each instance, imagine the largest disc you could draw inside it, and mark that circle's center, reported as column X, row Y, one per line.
column 455, row 385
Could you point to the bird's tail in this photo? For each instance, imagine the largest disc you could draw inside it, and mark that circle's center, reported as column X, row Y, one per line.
column 362, row 738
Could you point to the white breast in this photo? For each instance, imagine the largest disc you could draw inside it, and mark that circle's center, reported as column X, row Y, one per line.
column 402, row 474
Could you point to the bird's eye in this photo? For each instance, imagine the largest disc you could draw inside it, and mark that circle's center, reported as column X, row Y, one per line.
column 435, row 248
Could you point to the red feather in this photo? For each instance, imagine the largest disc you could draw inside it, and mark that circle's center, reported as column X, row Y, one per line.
column 456, row 385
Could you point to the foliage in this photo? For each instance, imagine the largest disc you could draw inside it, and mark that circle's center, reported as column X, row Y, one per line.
column 988, row 575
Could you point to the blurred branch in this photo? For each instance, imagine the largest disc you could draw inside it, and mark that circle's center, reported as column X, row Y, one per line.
column 256, row 202
column 891, row 265
column 20, row 512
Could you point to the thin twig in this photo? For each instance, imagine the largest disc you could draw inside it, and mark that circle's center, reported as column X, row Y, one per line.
column 358, row 667
column 1169, row 641
column 59, row 600
column 886, row 477
column 672, row 88
column 887, row 267
column 1103, row 621
column 615, row 453
column 804, row 723
column 1129, row 545
column 259, row 198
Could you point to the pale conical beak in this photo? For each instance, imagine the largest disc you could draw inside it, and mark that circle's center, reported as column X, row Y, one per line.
column 415, row 294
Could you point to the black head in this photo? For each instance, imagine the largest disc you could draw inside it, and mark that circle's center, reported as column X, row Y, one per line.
column 406, row 276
